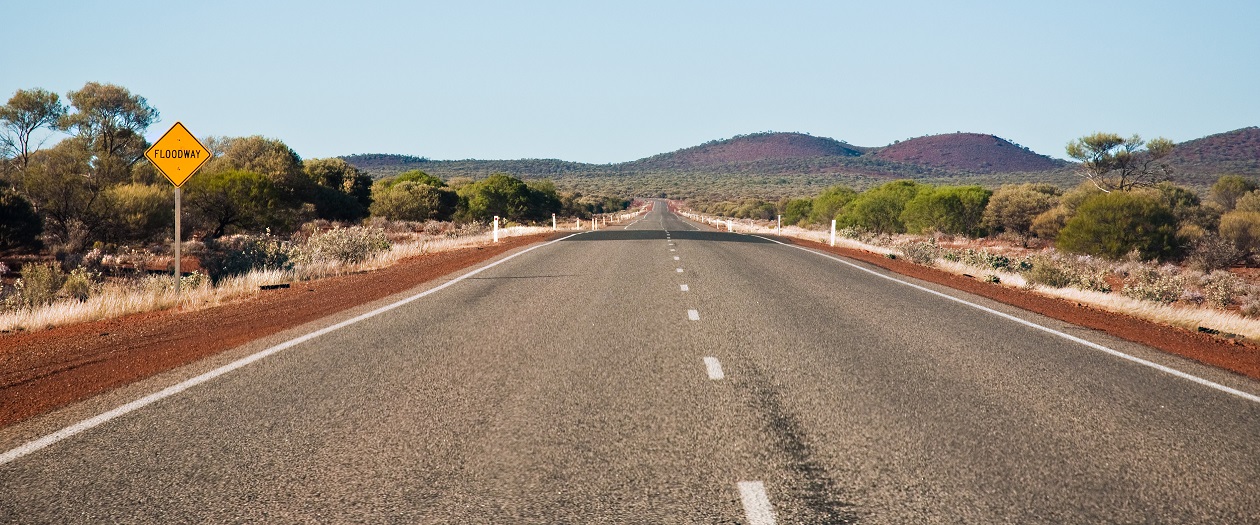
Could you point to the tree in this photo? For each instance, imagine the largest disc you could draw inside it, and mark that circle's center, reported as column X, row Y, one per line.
column 1227, row 189
column 879, row 208
column 27, row 112
column 340, row 176
column 947, row 209
column 20, row 226
column 406, row 201
column 61, row 185
column 221, row 202
column 270, row 158
column 498, row 195
column 1113, row 163
column 111, row 123
column 1013, row 207
column 1115, row 224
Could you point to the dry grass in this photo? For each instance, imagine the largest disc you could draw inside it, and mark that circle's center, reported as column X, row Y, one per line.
column 157, row 292
column 1187, row 317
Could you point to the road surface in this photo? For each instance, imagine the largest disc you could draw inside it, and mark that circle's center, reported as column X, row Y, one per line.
column 659, row 372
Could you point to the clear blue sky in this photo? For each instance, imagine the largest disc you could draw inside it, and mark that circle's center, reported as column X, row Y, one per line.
column 586, row 81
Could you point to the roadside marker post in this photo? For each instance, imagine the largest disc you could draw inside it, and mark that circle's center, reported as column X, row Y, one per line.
column 833, row 232
column 177, row 155
column 778, row 230
column 496, row 228
column 553, row 222
column 729, row 227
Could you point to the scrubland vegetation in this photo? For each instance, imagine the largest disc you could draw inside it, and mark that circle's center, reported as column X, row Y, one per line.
column 1125, row 238
column 84, row 221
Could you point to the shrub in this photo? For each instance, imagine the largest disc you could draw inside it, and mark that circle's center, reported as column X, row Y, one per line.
column 1221, row 287
column 1242, row 229
column 81, row 284
column 796, row 211
column 828, row 204
column 1212, row 252
column 1013, row 207
column 1149, row 283
column 879, row 209
column 1060, row 272
column 1114, row 224
column 947, row 209
column 138, row 212
column 1227, row 189
column 1049, row 272
column 343, row 245
column 242, row 254
column 39, row 285
column 921, row 252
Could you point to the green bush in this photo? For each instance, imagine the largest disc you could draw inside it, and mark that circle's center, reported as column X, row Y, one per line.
column 81, row 284
column 1242, row 229
column 139, row 213
column 796, row 212
column 1013, row 207
column 39, row 285
column 827, row 205
column 1117, row 223
column 947, row 209
column 879, row 209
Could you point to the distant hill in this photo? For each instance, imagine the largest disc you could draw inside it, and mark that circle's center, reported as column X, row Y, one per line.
column 1236, row 152
column 773, row 165
column 750, row 148
column 968, row 152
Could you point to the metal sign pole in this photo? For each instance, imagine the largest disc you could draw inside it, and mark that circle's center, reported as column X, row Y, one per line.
column 178, row 191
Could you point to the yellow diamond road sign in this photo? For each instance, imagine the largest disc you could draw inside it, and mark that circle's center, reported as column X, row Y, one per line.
column 177, row 154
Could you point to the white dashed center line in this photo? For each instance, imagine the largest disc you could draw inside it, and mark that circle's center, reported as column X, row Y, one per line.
column 714, row 368
column 680, row 270
column 684, row 288
column 756, row 504
column 675, row 257
column 693, row 315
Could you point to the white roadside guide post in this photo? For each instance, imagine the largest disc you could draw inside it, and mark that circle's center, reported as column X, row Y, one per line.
column 778, row 230
column 553, row 222
column 496, row 228
column 177, row 155
column 833, row 232
column 729, row 227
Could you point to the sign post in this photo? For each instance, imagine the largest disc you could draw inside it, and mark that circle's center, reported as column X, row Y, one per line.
column 177, row 155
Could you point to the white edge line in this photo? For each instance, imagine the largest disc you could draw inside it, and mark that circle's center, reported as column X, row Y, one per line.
column 87, row 424
column 1162, row 368
column 757, row 507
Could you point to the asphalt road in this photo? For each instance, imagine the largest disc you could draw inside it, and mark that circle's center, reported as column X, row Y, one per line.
column 662, row 373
